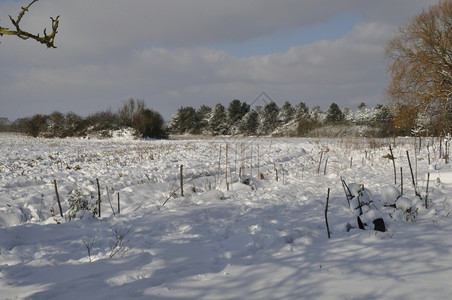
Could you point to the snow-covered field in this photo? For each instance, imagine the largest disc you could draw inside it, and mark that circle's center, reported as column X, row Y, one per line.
column 266, row 239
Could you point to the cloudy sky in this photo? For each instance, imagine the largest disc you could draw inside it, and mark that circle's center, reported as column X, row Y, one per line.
column 174, row 53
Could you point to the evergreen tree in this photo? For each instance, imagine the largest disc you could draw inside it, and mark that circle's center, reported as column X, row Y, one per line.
column 348, row 114
column 236, row 111
column 317, row 115
column 249, row 123
column 286, row 114
column 362, row 115
column 334, row 114
column 184, row 121
column 301, row 111
column 150, row 124
column 269, row 118
column 217, row 122
column 203, row 114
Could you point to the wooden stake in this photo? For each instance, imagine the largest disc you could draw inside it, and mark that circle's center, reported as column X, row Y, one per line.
column 227, row 183
column 181, row 181
column 58, row 198
column 320, row 162
column 98, row 195
column 393, row 163
column 426, row 190
column 258, row 163
column 326, row 213
column 111, row 205
column 411, row 170
column 219, row 167
column 401, row 181
column 251, row 163
column 326, row 163
column 119, row 206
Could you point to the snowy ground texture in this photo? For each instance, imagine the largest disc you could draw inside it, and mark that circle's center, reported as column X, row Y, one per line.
column 266, row 239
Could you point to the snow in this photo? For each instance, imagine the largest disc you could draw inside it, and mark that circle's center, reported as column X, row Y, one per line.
column 262, row 239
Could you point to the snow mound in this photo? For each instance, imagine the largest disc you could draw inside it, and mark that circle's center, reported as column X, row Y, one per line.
column 389, row 195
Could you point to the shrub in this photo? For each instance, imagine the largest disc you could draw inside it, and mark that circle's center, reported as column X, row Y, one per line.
column 78, row 202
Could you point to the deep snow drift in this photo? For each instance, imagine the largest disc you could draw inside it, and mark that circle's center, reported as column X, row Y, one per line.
column 264, row 238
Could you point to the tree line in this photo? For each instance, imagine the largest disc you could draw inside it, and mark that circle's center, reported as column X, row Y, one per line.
column 237, row 118
column 145, row 122
column 288, row 120
column 419, row 63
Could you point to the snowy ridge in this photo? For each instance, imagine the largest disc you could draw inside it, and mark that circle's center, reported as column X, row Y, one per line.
column 264, row 238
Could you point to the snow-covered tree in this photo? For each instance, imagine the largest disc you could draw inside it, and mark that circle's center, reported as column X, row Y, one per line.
column 217, row 121
column 286, row 114
column 184, row 121
column 269, row 118
column 249, row 123
column 362, row 115
column 334, row 114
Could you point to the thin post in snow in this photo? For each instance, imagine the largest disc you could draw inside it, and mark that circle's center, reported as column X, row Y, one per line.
column 411, row 170
column 393, row 163
column 226, row 174
column 251, row 162
column 98, row 196
column 219, row 167
column 181, row 180
column 235, row 160
column 109, row 201
column 401, row 181
column 326, row 213
column 326, row 163
column 258, row 163
column 446, row 152
column 426, row 190
column 320, row 162
column 119, row 206
column 58, row 198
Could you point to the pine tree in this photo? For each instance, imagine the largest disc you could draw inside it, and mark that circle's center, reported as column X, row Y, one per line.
column 269, row 118
column 362, row 115
column 249, row 123
column 334, row 114
column 286, row 114
column 217, row 121
column 184, row 121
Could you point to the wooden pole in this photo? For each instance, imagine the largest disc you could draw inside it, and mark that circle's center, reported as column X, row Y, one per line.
column 258, row 163
column 181, row 181
column 320, row 162
column 393, row 163
column 108, row 196
column 219, row 167
column 251, row 164
column 98, row 195
column 426, row 190
column 401, row 181
column 324, row 169
column 58, row 198
column 119, row 206
column 227, row 183
column 411, row 170
column 326, row 214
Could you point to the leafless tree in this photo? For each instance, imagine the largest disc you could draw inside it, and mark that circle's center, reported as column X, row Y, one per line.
column 419, row 62
column 46, row 39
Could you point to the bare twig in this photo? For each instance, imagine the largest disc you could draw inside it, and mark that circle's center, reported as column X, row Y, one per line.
column 89, row 246
column 47, row 39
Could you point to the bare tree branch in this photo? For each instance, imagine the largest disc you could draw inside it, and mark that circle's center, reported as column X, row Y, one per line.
column 46, row 39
